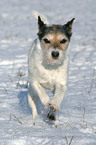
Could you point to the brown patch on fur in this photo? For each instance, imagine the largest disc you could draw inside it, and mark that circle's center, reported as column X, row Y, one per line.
column 71, row 22
column 55, row 38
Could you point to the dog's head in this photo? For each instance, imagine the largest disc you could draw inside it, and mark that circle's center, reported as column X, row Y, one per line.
column 54, row 40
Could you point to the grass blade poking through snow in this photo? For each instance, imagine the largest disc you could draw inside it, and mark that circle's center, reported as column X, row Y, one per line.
column 16, row 118
column 92, row 82
column 70, row 140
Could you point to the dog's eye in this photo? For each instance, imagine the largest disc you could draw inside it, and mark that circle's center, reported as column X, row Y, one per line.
column 63, row 41
column 46, row 40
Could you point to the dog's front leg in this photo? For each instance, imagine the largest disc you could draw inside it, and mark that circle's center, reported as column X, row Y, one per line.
column 40, row 92
column 59, row 94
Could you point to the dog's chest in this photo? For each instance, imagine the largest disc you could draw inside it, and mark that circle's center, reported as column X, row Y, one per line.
column 46, row 77
column 49, row 78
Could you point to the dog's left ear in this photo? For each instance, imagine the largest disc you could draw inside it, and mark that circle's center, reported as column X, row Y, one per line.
column 68, row 28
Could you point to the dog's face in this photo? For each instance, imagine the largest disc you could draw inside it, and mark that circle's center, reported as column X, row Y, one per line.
column 54, row 40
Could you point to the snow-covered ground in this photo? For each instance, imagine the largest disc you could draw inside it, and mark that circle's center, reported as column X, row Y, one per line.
column 76, row 121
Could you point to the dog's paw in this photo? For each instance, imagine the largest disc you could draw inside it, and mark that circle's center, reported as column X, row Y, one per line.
column 51, row 116
column 53, row 108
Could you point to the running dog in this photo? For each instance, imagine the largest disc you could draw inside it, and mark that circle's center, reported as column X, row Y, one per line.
column 48, row 61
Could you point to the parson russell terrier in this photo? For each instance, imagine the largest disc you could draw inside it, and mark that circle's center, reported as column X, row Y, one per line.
column 48, row 66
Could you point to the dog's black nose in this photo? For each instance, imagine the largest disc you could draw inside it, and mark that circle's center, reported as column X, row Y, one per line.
column 55, row 54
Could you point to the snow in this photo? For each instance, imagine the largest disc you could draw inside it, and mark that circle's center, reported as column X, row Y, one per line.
column 76, row 120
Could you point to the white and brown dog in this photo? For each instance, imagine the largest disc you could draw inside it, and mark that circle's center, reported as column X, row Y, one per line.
column 48, row 66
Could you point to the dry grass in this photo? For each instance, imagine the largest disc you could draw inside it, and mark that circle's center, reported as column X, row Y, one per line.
column 19, row 75
column 10, row 78
column 84, row 125
column 92, row 82
column 6, row 91
column 69, row 143
column 15, row 118
column 83, row 119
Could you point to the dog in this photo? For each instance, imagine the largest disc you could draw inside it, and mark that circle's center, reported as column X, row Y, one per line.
column 48, row 62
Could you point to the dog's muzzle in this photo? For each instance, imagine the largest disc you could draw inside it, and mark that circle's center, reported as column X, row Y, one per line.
column 55, row 54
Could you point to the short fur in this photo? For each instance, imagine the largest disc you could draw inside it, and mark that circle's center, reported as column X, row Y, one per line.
column 48, row 65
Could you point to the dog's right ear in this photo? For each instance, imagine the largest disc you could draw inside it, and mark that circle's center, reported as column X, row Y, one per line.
column 41, row 25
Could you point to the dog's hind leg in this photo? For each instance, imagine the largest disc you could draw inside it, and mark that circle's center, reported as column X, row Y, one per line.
column 33, row 106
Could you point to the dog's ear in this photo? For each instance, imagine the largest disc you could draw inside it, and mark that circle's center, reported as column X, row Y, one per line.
column 41, row 25
column 68, row 28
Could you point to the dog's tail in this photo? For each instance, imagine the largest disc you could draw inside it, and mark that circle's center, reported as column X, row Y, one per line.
column 36, row 14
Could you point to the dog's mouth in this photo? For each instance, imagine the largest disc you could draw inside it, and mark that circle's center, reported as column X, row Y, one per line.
column 52, row 60
column 52, row 63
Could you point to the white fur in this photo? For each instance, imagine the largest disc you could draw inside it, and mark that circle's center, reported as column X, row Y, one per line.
column 43, row 75
column 36, row 14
